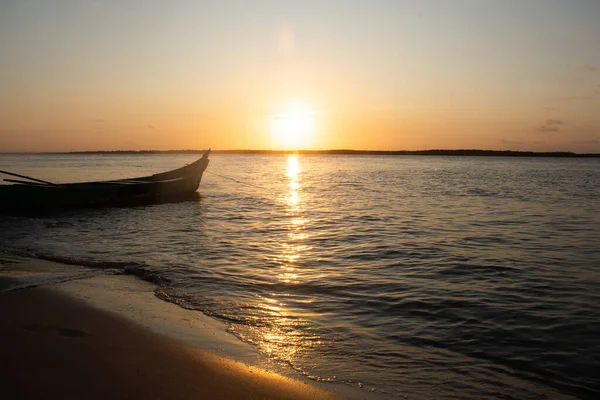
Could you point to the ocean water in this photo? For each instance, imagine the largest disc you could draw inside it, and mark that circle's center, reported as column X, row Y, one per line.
column 405, row 277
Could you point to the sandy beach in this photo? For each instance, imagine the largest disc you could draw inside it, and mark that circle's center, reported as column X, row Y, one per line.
column 57, row 346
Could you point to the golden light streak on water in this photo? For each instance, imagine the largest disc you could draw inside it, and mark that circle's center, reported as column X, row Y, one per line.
column 283, row 338
column 291, row 248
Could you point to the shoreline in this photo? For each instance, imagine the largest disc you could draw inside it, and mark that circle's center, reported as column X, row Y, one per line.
column 108, row 336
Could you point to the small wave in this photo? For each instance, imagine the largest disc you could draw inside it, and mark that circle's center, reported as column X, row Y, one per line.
column 138, row 269
column 474, row 270
column 85, row 262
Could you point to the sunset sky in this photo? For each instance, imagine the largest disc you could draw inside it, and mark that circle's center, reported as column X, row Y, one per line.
column 131, row 75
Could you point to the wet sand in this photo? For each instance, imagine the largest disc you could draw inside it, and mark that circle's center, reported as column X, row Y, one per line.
column 54, row 346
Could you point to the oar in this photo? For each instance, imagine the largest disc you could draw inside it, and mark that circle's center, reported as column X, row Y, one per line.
column 25, row 182
column 26, row 177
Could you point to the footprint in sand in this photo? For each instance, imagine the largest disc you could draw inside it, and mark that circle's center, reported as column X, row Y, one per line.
column 63, row 332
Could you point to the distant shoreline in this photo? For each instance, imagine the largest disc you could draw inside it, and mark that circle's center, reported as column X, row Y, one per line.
column 434, row 152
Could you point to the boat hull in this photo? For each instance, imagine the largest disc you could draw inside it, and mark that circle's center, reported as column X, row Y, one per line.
column 177, row 185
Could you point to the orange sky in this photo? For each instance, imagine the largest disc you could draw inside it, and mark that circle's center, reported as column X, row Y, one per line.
column 104, row 75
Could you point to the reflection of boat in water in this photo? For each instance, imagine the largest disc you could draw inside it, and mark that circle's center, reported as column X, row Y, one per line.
column 34, row 195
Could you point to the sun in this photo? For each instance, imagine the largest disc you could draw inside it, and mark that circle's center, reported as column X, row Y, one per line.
column 294, row 129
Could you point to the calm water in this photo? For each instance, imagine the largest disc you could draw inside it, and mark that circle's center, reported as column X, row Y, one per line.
column 421, row 277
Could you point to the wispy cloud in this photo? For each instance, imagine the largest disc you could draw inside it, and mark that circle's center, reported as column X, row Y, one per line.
column 517, row 142
column 99, row 120
column 551, row 125
column 151, row 127
column 591, row 68
column 591, row 141
column 545, row 128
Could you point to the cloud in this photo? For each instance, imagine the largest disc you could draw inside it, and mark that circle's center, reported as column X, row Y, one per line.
column 551, row 125
column 546, row 128
column 99, row 120
column 591, row 68
column 151, row 127
column 591, row 141
column 548, row 108
column 516, row 142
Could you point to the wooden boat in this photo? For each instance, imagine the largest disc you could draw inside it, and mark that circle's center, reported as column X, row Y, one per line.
column 34, row 195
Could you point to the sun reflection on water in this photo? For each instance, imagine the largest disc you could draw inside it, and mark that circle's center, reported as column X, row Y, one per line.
column 287, row 334
column 293, row 174
column 293, row 246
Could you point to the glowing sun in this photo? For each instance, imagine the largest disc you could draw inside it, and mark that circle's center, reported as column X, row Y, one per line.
column 293, row 129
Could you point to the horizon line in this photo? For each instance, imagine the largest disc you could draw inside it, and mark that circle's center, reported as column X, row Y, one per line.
column 432, row 152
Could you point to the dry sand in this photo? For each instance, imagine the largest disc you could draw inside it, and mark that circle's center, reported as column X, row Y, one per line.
column 53, row 346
